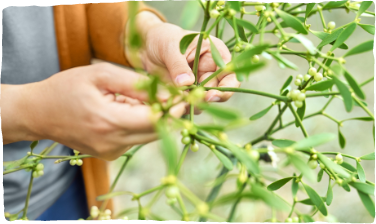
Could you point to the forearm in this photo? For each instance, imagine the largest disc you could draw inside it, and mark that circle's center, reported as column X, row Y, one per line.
column 15, row 125
column 145, row 20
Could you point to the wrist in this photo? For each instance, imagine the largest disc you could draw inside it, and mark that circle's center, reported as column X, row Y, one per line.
column 144, row 22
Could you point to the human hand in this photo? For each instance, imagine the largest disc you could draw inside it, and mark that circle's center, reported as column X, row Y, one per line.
column 161, row 55
column 78, row 108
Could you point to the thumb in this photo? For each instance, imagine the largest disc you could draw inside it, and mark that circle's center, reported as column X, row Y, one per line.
column 179, row 69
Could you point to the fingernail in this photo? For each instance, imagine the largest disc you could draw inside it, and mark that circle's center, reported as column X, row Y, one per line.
column 183, row 79
column 214, row 99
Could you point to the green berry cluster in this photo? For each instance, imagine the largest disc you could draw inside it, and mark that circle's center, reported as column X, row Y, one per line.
column 38, row 170
column 298, row 96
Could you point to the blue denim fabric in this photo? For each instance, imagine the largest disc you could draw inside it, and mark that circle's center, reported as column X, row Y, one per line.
column 71, row 205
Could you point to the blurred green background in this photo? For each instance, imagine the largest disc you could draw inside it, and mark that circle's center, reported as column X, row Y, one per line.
column 147, row 167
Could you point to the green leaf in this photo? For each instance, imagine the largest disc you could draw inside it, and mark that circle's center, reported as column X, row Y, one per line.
column 329, row 195
column 220, row 112
column 361, row 118
column 307, row 218
column 283, row 60
column 308, row 201
column 301, row 165
column 368, row 203
column 16, row 163
column 309, row 9
column 348, row 166
column 261, row 113
column 270, row 198
column 361, row 48
column 248, row 25
column 168, row 146
column 240, row 29
column 368, row 28
column 300, row 111
column 345, row 34
column 346, row 187
column 246, row 68
column 321, row 86
column 292, row 21
column 211, row 127
column 363, row 187
column 247, row 54
column 319, row 175
column 341, row 139
column 186, row 41
column 316, row 199
column 361, row 173
column 284, row 25
column 294, row 186
column 345, row 93
column 234, row 5
column 33, row 145
column 190, row 15
column 370, row 156
column 282, row 143
column 306, row 43
column 329, row 38
column 354, row 85
column 216, row 55
column 224, row 160
column 278, row 184
column 287, row 83
column 330, row 164
column 363, row 7
column 334, row 4
column 323, row 35
column 313, row 141
column 243, row 157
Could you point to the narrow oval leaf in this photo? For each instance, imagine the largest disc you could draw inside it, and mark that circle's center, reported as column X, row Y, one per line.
column 300, row 111
column 363, row 187
column 335, row 167
column 329, row 195
column 361, row 119
column 220, row 112
column 248, row 25
column 363, row 7
column 368, row 28
column 345, row 93
column 323, row 35
column 329, row 38
column 321, row 86
column 316, row 199
column 309, row 9
column 279, row 183
column 348, row 166
column 282, row 143
column 216, row 55
column 370, row 156
column 234, row 5
column 341, row 139
column 292, row 21
column 354, row 85
column 224, row 160
column 168, row 147
column 345, row 34
column 314, row 140
column 368, row 203
column 186, row 41
column 307, row 218
column 247, row 54
column 190, row 15
column 287, row 83
column 270, row 198
column 334, row 4
column 308, row 201
column 346, row 187
column 319, row 175
column 33, row 145
column 242, row 156
column 283, row 60
column 361, row 173
column 306, row 43
column 261, row 113
column 294, row 186
column 301, row 165
column 361, row 48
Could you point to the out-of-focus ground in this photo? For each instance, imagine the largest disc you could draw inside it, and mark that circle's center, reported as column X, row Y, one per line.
column 147, row 167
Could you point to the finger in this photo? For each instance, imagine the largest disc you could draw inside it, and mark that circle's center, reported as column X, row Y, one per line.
column 178, row 110
column 119, row 80
column 140, row 138
column 178, row 67
column 227, row 81
column 128, row 100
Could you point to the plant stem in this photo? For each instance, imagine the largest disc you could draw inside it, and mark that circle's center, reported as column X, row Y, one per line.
column 322, row 94
column 151, row 190
column 211, row 77
column 367, row 81
column 322, row 19
column 235, row 205
column 331, row 118
column 28, row 195
column 276, row 119
column 182, row 157
column 364, row 107
column 250, row 91
column 214, row 24
column 298, row 119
